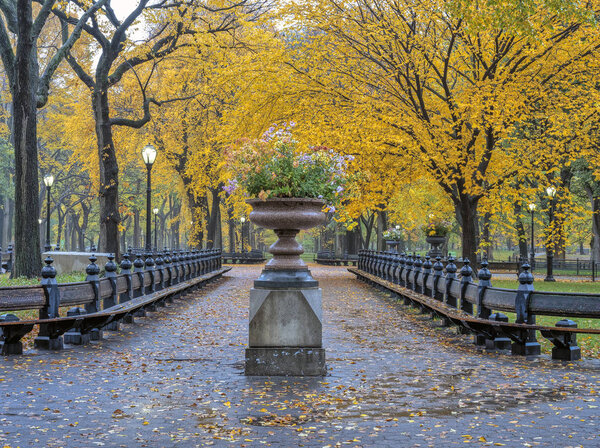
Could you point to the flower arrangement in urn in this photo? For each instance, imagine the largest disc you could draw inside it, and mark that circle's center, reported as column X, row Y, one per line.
column 393, row 234
column 291, row 187
column 436, row 231
column 275, row 167
column 436, row 227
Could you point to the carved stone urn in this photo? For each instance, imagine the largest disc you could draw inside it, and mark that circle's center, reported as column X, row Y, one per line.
column 285, row 315
column 286, row 216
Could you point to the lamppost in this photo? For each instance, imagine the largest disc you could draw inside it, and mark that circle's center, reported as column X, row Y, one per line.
column 48, row 181
column 551, row 192
column 149, row 156
column 532, row 254
column 242, row 220
column 155, row 229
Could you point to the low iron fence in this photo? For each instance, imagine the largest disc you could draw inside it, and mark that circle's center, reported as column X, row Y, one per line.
column 143, row 284
column 567, row 268
column 332, row 259
column 253, row 256
column 478, row 307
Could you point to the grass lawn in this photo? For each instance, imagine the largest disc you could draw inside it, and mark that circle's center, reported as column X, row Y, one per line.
column 559, row 286
column 6, row 281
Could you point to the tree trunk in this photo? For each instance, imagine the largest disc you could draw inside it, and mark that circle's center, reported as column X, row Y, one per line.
column 126, row 225
column 8, row 220
column 109, row 173
column 231, row 227
column 219, row 236
column 24, row 138
column 61, row 221
column 368, row 223
column 486, row 238
column 2, row 228
column 466, row 215
column 84, row 223
column 212, row 218
column 137, row 232
column 520, row 227
column 199, row 208
column 75, row 232
column 595, row 204
column 382, row 225
column 175, row 224
column 67, row 231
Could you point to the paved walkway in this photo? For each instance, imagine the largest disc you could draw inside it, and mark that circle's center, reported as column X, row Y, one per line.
column 395, row 380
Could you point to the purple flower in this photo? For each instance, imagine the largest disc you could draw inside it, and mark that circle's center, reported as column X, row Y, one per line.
column 231, row 186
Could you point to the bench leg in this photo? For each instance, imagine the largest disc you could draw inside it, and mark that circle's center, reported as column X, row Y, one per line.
column 569, row 353
column 74, row 337
column 526, row 345
column 565, row 344
column 14, row 348
column 48, row 343
column 112, row 326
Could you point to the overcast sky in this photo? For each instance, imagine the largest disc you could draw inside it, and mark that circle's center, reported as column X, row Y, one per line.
column 123, row 7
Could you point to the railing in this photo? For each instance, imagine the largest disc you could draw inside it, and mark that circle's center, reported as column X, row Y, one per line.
column 330, row 258
column 476, row 307
column 107, row 301
column 254, row 256
column 569, row 268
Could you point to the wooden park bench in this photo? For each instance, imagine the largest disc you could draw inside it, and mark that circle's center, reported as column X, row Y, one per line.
column 107, row 301
column 253, row 257
column 477, row 307
column 330, row 259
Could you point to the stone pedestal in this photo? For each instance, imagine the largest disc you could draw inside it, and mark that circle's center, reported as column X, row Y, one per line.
column 286, row 317
column 285, row 332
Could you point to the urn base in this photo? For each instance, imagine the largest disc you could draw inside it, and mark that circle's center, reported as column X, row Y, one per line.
column 285, row 278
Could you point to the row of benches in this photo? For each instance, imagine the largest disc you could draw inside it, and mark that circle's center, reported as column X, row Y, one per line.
column 107, row 301
column 331, row 259
column 254, row 256
column 477, row 307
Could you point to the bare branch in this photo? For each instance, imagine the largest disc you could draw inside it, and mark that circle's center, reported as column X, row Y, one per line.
column 136, row 124
column 41, row 18
column 44, row 81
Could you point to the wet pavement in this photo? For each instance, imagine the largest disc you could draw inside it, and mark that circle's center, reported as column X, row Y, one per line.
column 395, row 379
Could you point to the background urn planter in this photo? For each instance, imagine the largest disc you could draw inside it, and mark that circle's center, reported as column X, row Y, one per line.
column 393, row 244
column 436, row 242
